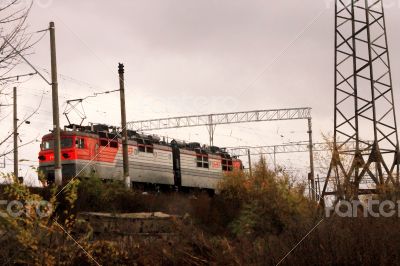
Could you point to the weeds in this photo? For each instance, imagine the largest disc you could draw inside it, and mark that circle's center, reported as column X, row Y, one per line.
column 255, row 220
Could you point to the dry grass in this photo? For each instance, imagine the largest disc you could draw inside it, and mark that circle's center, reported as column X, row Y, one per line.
column 254, row 221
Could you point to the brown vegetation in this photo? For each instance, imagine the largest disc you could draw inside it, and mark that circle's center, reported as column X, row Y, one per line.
column 254, row 221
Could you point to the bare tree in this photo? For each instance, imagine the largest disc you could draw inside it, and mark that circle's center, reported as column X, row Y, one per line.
column 15, row 42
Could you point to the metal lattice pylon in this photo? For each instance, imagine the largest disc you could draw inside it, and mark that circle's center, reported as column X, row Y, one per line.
column 364, row 105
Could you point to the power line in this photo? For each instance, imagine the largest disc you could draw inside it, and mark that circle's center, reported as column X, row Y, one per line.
column 76, row 106
column 18, row 76
column 75, row 80
column 26, row 60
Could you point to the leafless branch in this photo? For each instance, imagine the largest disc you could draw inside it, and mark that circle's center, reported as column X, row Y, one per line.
column 13, row 30
column 15, row 43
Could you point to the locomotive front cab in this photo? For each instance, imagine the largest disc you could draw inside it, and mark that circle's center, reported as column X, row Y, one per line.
column 47, row 149
column 73, row 148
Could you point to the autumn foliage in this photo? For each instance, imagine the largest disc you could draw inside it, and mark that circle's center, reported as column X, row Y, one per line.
column 262, row 219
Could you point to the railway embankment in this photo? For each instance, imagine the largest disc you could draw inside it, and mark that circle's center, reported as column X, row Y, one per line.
column 255, row 220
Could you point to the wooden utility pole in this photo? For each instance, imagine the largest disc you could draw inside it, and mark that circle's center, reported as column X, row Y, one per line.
column 318, row 185
column 311, row 175
column 15, row 122
column 125, row 154
column 275, row 169
column 249, row 157
column 56, row 115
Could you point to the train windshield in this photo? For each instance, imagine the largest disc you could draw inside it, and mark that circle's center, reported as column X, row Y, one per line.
column 49, row 144
column 66, row 143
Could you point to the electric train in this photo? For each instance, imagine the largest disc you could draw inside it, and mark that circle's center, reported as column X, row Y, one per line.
column 97, row 150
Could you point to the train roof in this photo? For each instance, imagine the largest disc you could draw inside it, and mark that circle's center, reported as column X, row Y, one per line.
column 71, row 133
column 106, row 131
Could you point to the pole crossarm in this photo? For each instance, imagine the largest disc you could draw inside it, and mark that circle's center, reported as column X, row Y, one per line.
column 221, row 119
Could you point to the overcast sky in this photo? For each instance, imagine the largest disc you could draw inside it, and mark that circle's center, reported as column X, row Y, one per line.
column 186, row 57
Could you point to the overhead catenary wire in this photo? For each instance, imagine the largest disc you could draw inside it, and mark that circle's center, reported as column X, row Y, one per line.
column 91, row 87
column 17, row 77
column 26, row 60
column 26, row 118
column 72, row 105
column 98, row 91
column 74, row 80
column 19, row 146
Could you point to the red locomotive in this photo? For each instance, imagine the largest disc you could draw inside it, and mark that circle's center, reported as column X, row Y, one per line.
column 97, row 150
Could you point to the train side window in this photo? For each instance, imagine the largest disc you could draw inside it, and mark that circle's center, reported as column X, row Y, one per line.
column 227, row 165
column 202, row 161
column 205, row 161
column 199, row 160
column 142, row 148
column 103, row 142
column 80, row 143
column 114, row 144
column 66, row 142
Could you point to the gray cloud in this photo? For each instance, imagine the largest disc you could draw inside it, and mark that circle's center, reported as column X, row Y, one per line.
column 185, row 56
